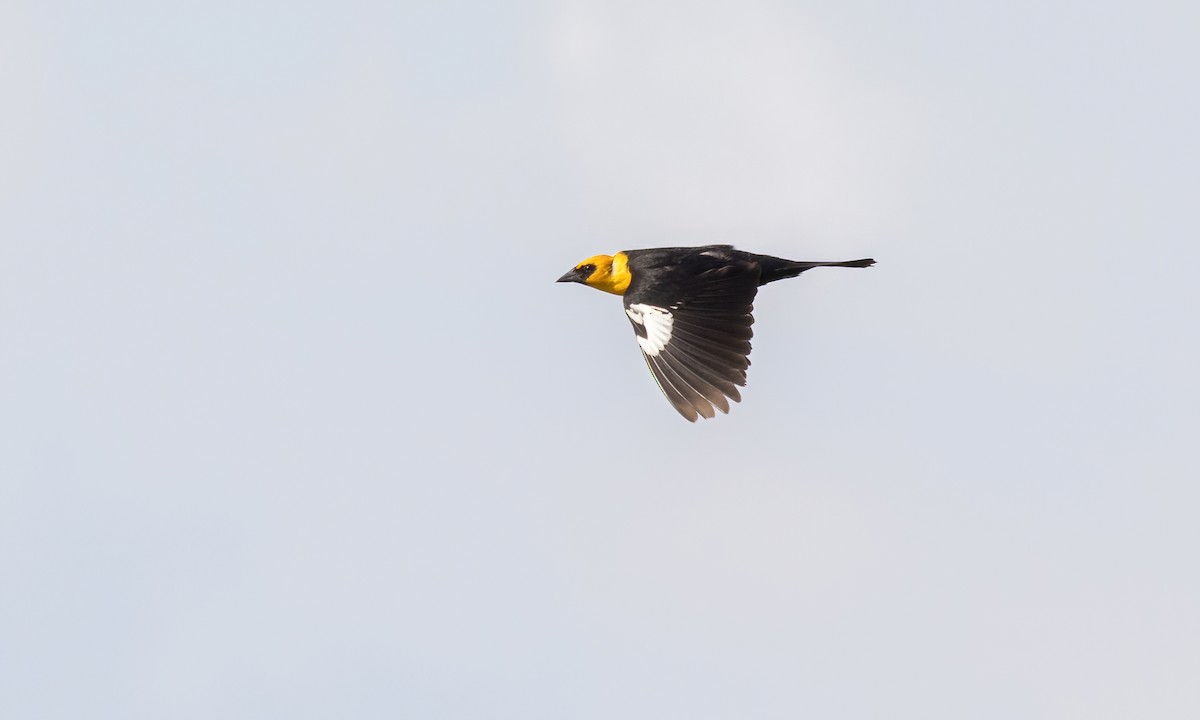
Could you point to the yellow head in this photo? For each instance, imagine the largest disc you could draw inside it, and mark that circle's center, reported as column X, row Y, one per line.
column 603, row 272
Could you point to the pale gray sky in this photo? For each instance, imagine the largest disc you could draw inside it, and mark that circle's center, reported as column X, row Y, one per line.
column 294, row 422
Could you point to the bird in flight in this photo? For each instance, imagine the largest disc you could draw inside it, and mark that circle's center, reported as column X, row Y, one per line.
column 691, row 311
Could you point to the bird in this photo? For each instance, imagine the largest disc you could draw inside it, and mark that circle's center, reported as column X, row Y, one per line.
column 691, row 309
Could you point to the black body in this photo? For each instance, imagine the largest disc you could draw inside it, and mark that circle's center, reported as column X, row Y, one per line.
column 709, row 292
column 691, row 308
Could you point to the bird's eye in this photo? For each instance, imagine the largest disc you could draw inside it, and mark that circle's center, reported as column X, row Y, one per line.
column 587, row 269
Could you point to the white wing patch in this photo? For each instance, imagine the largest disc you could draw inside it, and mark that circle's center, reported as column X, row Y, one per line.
column 657, row 323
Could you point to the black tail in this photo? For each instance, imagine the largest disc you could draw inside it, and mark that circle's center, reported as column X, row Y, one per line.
column 774, row 268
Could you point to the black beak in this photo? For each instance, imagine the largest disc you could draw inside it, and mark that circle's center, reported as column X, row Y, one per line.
column 575, row 275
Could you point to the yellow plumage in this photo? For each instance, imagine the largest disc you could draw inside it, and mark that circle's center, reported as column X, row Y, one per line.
column 611, row 274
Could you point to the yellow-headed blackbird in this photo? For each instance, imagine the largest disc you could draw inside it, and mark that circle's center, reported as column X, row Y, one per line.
column 691, row 310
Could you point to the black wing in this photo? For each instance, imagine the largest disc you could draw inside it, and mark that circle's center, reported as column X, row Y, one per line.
column 692, row 316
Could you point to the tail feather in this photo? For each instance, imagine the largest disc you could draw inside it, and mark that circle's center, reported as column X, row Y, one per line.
column 774, row 268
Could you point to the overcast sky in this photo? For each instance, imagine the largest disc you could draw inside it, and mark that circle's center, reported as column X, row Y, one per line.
column 294, row 422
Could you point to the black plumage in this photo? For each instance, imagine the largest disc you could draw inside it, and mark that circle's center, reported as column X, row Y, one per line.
column 692, row 310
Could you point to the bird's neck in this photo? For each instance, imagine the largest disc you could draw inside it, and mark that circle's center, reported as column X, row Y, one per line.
column 616, row 280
